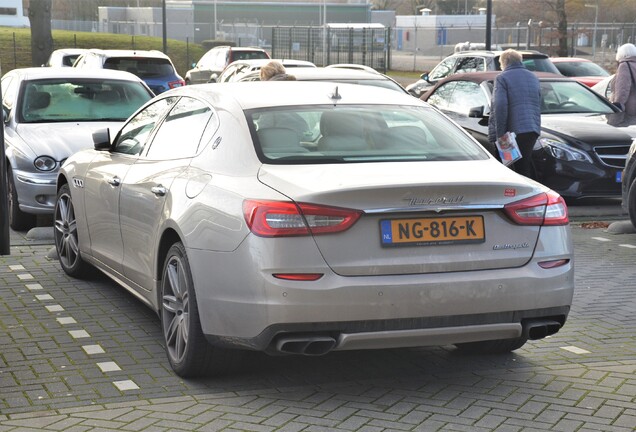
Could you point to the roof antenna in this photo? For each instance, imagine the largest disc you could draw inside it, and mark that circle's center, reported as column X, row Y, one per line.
column 335, row 95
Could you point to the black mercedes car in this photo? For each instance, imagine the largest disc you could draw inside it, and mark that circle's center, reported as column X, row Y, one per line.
column 582, row 148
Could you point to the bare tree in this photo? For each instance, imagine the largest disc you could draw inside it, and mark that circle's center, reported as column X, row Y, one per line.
column 41, row 37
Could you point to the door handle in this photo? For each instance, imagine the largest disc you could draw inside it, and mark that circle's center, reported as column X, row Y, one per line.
column 114, row 181
column 158, row 190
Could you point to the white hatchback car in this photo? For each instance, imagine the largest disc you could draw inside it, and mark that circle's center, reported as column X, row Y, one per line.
column 382, row 225
column 50, row 113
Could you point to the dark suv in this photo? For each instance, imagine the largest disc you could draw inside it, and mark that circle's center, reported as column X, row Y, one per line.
column 153, row 67
column 216, row 59
column 477, row 61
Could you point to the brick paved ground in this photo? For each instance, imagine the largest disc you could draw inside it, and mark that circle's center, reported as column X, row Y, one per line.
column 87, row 356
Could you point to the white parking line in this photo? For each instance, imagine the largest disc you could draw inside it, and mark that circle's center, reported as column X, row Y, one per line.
column 629, row 246
column 126, row 385
column 78, row 334
column 66, row 320
column 108, row 366
column 93, row 349
column 575, row 350
column 602, row 239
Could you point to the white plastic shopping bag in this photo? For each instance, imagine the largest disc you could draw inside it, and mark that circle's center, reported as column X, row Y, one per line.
column 508, row 148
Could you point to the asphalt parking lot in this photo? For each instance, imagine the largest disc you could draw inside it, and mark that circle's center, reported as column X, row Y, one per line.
column 87, row 356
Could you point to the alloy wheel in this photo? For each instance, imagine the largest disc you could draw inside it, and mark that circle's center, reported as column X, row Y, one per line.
column 176, row 308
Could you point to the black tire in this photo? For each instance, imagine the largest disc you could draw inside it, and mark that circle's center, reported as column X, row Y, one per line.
column 492, row 346
column 18, row 220
column 189, row 353
column 65, row 236
column 631, row 202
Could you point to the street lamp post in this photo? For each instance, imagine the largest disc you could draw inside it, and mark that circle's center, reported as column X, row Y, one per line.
column 595, row 6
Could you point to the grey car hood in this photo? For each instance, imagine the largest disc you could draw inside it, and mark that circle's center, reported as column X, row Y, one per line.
column 59, row 140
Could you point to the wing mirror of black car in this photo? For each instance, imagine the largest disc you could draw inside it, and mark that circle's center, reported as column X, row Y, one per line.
column 478, row 112
column 101, row 139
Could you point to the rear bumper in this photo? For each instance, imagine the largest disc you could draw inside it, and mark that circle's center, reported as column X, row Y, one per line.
column 386, row 334
column 249, row 308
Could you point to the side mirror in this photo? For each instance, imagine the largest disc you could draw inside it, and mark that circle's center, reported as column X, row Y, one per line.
column 476, row 112
column 193, row 65
column 5, row 115
column 424, row 76
column 101, row 139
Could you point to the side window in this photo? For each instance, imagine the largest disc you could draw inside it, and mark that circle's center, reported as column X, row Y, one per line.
column 179, row 134
column 135, row 133
column 442, row 70
column 442, row 96
column 470, row 64
column 229, row 73
column 467, row 95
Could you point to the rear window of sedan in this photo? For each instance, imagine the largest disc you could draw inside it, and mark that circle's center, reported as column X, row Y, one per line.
column 372, row 133
column 70, row 100
column 143, row 67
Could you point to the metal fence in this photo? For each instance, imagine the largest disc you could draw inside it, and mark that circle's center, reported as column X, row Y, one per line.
column 377, row 48
column 323, row 46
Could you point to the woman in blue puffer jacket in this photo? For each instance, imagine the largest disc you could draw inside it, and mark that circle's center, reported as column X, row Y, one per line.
column 516, row 107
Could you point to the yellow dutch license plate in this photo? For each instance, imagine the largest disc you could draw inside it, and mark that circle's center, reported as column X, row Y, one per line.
column 432, row 231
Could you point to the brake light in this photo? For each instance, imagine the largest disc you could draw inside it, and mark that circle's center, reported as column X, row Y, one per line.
column 543, row 209
column 175, row 84
column 285, row 218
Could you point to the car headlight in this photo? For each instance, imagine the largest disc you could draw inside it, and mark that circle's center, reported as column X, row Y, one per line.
column 561, row 150
column 45, row 163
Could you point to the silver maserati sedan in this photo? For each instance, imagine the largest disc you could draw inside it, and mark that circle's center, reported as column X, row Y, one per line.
column 304, row 218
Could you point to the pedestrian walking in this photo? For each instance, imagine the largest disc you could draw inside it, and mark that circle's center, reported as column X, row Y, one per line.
column 624, row 84
column 516, row 107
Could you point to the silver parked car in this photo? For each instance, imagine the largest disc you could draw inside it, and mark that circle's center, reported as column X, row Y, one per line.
column 382, row 225
column 50, row 113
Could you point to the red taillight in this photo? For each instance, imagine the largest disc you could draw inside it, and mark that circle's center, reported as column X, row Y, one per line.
column 175, row 84
column 543, row 209
column 307, row 277
column 284, row 218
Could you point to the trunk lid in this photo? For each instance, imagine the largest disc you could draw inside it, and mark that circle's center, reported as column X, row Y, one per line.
column 419, row 217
